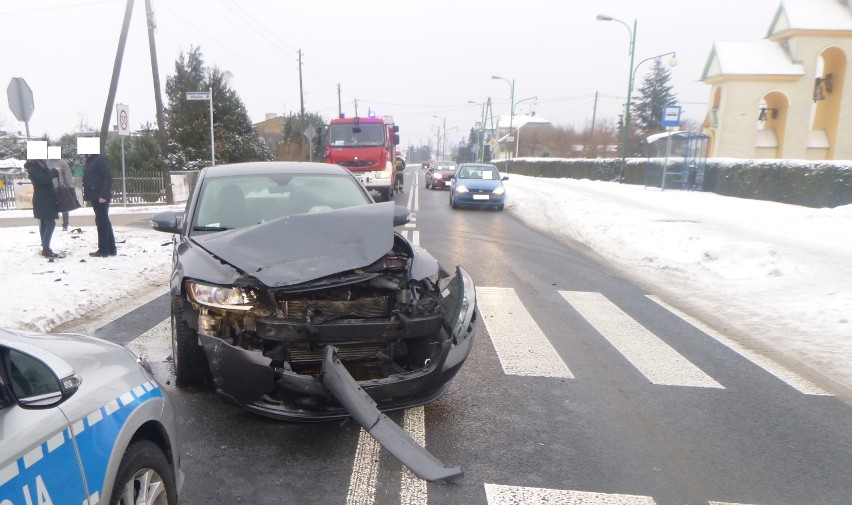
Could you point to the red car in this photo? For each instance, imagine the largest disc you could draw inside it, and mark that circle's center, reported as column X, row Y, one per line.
column 440, row 174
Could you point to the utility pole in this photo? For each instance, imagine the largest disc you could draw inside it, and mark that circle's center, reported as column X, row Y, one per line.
column 356, row 106
column 339, row 106
column 116, row 70
column 301, row 102
column 158, row 100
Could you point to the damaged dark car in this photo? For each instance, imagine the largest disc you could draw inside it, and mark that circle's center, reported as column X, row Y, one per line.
column 294, row 295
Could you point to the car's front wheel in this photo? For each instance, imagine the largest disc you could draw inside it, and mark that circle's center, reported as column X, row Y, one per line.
column 453, row 202
column 187, row 356
column 144, row 477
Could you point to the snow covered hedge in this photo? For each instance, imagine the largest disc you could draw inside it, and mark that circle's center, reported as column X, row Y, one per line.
column 799, row 182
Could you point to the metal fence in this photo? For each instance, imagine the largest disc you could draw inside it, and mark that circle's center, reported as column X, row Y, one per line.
column 141, row 188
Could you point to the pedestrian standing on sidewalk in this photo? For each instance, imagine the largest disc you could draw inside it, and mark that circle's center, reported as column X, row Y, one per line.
column 97, row 188
column 65, row 179
column 44, row 202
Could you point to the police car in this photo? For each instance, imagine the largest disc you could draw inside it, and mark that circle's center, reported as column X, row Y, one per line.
column 83, row 421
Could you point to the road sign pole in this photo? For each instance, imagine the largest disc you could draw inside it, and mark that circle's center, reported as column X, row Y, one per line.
column 123, row 174
column 212, row 144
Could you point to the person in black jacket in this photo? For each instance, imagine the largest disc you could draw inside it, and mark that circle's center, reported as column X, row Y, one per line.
column 97, row 188
column 44, row 202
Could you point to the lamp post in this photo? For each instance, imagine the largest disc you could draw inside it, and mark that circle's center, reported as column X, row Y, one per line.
column 511, row 110
column 603, row 17
column 518, row 133
column 444, row 129
column 630, row 80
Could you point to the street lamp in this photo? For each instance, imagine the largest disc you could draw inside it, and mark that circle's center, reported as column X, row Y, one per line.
column 518, row 133
column 444, row 119
column 511, row 110
column 603, row 17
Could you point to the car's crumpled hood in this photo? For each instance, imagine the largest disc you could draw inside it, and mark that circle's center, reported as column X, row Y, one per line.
column 300, row 248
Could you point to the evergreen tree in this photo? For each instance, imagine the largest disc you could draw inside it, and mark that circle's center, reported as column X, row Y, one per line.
column 647, row 114
column 294, row 144
column 188, row 121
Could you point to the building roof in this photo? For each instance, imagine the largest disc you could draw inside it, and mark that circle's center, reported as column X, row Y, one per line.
column 762, row 57
column 519, row 120
column 820, row 15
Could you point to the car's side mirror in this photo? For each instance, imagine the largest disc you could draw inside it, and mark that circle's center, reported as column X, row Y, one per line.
column 169, row 222
column 35, row 384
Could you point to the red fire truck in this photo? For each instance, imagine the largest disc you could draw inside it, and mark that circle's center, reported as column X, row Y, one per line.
column 365, row 146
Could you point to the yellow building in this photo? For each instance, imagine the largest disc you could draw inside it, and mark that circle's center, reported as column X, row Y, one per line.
column 785, row 96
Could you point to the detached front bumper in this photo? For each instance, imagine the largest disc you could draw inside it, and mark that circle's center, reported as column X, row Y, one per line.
column 248, row 379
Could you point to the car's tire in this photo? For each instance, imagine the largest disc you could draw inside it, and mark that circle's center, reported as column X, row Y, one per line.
column 500, row 207
column 144, row 476
column 387, row 194
column 452, row 202
column 188, row 358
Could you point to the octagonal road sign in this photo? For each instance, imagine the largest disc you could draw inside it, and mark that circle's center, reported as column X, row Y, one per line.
column 20, row 99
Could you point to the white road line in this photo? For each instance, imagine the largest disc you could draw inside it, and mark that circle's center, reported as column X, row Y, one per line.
column 365, row 471
column 651, row 356
column 413, row 490
column 415, row 238
column 510, row 495
column 791, row 378
column 412, row 188
column 520, row 344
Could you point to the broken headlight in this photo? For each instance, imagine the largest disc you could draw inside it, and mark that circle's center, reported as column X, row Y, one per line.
column 218, row 296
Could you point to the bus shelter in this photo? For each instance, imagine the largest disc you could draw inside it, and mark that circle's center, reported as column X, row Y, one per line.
column 676, row 160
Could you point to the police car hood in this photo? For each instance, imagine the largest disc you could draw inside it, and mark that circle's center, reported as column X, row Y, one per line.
column 300, row 248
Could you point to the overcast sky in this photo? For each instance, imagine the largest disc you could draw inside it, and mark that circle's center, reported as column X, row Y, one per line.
column 409, row 59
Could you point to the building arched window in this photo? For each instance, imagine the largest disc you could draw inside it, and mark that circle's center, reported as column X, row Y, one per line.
column 825, row 112
column 771, row 125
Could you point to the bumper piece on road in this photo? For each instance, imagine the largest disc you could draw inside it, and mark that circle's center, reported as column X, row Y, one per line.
column 393, row 438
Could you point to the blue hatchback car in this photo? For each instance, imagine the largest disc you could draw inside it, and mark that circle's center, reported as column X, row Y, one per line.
column 477, row 185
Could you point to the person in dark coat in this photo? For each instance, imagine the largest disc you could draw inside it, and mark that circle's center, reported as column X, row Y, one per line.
column 97, row 188
column 44, row 202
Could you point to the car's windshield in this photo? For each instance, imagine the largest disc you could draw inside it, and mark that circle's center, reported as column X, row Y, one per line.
column 478, row 172
column 240, row 201
column 360, row 135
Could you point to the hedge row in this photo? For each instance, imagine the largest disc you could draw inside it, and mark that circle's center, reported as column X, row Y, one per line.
column 798, row 182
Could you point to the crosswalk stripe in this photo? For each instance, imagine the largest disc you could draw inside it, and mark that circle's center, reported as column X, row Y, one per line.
column 519, row 342
column 651, row 356
column 497, row 494
column 792, row 379
column 365, row 471
column 412, row 489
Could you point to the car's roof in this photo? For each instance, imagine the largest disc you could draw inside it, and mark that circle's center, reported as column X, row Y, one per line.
column 482, row 165
column 274, row 167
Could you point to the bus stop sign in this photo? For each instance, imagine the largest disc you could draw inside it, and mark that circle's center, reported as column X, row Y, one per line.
column 20, row 99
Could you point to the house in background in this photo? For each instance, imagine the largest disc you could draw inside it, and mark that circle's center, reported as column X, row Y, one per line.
column 785, row 96
column 529, row 136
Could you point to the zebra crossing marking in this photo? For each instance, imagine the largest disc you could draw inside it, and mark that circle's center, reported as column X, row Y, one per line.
column 521, row 346
column 654, row 359
column 787, row 376
column 497, row 494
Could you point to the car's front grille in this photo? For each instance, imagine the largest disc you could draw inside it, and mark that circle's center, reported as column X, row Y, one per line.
column 358, row 163
column 367, row 307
